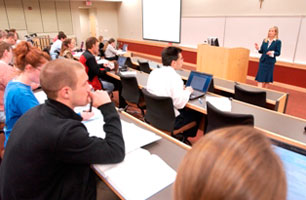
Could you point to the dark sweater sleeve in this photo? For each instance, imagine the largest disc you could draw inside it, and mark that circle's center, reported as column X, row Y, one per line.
column 94, row 67
column 75, row 145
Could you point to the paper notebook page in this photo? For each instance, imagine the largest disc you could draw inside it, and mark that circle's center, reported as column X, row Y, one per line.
column 142, row 178
column 135, row 137
column 40, row 96
column 130, row 157
column 222, row 103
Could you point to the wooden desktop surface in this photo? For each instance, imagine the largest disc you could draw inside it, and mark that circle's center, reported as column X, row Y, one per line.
column 279, row 126
column 275, row 98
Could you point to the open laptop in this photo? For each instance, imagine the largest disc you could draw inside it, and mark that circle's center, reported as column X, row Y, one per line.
column 200, row 82
column 121, row 63
column 124, row 48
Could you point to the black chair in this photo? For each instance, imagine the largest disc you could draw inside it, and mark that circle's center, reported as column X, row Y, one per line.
column 253, row 97
column 218, row 119
column 131, row 93
column 129, row 63
column 160, row 114
column 144, row 67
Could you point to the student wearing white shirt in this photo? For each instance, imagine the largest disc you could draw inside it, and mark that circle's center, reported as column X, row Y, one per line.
column 57, row 45
column 165, row 81
column 111, row 52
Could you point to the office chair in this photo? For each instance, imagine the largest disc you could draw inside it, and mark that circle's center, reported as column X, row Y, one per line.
column 144, row 67
column 253, row 97
column 218, row 119
column 160, row 114
column 129, row 63
column 132, row 94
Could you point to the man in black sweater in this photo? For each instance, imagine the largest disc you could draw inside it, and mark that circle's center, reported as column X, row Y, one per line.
column 49, row 152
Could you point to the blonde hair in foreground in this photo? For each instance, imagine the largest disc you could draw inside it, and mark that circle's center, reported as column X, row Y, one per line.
column 231, row 163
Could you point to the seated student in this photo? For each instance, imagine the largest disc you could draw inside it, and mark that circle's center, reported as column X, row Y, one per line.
column 111, row 52
column 50, row 152
column 18, row 96
column 57, row 45
column 67, row 47
column 11, row 38
column 231, row 163
column 96, row 72
column 101, row 46
column 165, row 81
column 3, row 35
column 6, row 74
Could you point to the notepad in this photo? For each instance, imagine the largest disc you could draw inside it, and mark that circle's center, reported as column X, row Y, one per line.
column 222, row 103
column 134, row 136
column 139, row 176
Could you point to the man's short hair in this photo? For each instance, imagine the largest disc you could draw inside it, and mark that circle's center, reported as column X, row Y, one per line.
column 10, row 35
column 57, row 74
column 61, row 36
column 4, row 46
column 169, row 54
column 90, row 42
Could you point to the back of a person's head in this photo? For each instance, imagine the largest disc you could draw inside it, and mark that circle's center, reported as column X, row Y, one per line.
column 170, row 54
column 231, row 163
column 90, row 42
column 57, row 74
column 65, row 45
column 10, row 35
column 4, row 47
column 110, row 41
column 25, row 54
column 61, row 35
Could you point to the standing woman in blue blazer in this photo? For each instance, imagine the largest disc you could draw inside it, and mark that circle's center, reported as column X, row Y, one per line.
column 270, row 48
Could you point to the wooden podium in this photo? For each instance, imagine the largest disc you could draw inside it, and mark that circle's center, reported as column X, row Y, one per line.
column 227, row 63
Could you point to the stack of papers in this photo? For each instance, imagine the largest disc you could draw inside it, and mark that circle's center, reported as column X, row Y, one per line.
column 139, row 176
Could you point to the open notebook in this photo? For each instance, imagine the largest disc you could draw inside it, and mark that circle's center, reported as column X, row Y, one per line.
column 139, row 176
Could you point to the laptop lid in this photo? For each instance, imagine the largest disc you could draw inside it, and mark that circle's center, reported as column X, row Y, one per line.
column 199, row 81
column 121, row 61
column 124, row 48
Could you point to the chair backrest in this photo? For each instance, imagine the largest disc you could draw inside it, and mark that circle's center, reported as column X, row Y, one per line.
column 218, row 119
column 253, row 97
column 129, row 63
column 130, row 89
column 160, row 112
column 144, row 67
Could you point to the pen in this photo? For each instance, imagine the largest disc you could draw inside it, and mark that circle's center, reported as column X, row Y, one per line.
column 90, row 106
column 200, row 100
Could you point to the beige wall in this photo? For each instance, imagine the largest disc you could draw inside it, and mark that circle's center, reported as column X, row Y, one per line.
column 130, row 14
column 242, row 7
column 47, row 17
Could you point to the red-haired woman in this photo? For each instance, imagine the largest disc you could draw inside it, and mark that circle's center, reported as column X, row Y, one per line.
column 18, row 95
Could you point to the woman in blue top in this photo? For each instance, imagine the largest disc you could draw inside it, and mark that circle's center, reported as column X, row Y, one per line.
column 270, row 48
column 18, row 95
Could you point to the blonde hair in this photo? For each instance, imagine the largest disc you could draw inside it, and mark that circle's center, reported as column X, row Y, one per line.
column 276, row 33
column 231, row 163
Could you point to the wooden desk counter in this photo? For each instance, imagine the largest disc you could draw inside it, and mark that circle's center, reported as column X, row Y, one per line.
column 276, row 100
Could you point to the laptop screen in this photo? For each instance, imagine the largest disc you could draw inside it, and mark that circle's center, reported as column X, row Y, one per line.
column 124, row 48
column 121, row 61
column 199, row 81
